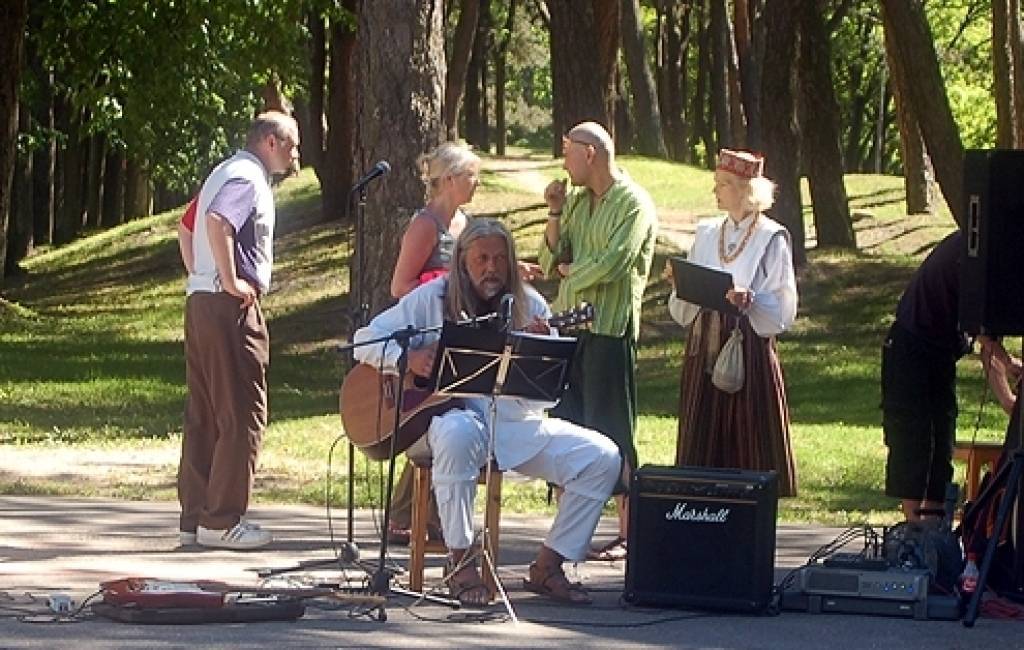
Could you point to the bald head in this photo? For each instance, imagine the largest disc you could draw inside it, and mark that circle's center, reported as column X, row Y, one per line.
column 595, row 135
column 589, row 156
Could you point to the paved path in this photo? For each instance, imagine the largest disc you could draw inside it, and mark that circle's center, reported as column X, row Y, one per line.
column 51, row 544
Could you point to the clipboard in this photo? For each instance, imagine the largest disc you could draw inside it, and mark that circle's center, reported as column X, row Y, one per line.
column 703, row 285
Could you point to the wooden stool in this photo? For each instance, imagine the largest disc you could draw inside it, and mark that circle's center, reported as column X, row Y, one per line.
column 977, row 455
column 419, row 545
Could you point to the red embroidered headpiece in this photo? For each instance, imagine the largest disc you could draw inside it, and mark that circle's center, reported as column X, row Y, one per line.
column 741, row 163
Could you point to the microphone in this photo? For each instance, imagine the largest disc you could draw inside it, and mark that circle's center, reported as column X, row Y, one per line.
column 382, row 167
column 505, row 312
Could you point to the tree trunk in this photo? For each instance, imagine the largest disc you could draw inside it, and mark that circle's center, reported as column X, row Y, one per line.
column 500, row 71
column 94, row 181
column 475, row 101
column 484, row 38
column 622, row 119
column 1002, row 77
column 672, row 78
column 12, row 33
column 927, row 94
column 781, row 134
column 138, row 194
column 720, row 38
column 474, row 92
column 45, row 154
column 72, row 212
column 608, row 29
column 737, row 119
column 458, row 64
column 311, row 114
column 401, row 68
column 750, row 54
column 702, row 131
column 916, row 167
column 19, row 227
column 820, row 111
column 647, row 116
column 113, row 187
column 881, row 123
column 337, row 167
column 1017, row 66
column 578, row 87
column 858, row 97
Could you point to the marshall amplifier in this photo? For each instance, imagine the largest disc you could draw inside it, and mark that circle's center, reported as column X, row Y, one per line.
column 702, row 537
column 990, row 266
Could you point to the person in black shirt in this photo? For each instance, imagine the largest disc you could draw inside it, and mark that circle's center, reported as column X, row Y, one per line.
column 919, row 356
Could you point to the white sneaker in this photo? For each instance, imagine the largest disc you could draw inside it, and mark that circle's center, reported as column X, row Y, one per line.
column 186, row 538
column 241, row 536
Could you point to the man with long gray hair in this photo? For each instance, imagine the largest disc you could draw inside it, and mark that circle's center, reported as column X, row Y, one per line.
column 583, row 461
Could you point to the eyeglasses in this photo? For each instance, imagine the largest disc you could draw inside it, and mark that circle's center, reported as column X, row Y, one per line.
column 566, row 139
column 287, row 142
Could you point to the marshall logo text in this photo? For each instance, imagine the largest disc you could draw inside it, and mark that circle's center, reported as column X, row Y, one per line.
column 681, row 513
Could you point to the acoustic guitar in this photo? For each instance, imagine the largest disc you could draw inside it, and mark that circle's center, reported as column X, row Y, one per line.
column 368, row 399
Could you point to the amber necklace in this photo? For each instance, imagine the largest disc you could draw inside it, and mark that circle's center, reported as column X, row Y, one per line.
column 728, row 258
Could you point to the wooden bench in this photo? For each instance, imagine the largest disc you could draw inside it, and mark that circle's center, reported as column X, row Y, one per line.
column 977, row 455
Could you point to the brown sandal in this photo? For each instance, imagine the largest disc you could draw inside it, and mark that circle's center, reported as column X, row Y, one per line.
column 556, row 586
column 469, row 592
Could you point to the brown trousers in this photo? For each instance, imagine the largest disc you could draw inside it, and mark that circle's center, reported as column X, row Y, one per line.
column 227, row 350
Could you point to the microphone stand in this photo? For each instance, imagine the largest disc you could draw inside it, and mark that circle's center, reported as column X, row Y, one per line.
column 380, row 579
column 359, row 316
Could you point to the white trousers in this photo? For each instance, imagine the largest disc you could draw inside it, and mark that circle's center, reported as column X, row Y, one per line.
column 584, row 462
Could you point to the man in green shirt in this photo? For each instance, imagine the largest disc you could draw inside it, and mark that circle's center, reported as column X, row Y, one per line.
column 600, row 240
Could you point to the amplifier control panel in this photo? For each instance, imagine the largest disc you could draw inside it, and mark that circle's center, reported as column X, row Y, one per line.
column 894, row 584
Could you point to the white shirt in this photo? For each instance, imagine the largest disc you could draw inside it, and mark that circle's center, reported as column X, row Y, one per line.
column 765, row 266
column 517, row 437
column 243, row 164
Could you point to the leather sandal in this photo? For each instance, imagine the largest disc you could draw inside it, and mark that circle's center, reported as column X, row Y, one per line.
column 470, row 592
column 556, row 586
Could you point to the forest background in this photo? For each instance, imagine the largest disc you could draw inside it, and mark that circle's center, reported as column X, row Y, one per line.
column 114, row 111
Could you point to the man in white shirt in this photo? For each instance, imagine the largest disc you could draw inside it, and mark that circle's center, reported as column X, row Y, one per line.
column 582, row 461
column 227, row 346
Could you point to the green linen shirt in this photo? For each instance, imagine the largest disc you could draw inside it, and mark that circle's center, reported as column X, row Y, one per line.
column 610, row 250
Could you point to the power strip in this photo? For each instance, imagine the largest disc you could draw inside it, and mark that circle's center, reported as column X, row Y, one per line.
column 60, row 603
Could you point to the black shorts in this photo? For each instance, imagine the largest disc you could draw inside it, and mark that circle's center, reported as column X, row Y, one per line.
column 919, row 413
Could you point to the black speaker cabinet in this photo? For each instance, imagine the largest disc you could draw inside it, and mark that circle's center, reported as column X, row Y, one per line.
column 992, row 263
column 702, row 537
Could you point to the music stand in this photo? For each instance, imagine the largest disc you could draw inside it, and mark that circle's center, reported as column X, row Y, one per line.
column 475, row 363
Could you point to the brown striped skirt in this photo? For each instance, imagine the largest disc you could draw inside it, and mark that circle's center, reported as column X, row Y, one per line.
column 748, row 429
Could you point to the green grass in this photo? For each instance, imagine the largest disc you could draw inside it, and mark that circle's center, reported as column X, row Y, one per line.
column 91, row 350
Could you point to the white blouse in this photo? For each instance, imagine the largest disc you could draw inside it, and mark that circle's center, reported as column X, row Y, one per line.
column 765, row 266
